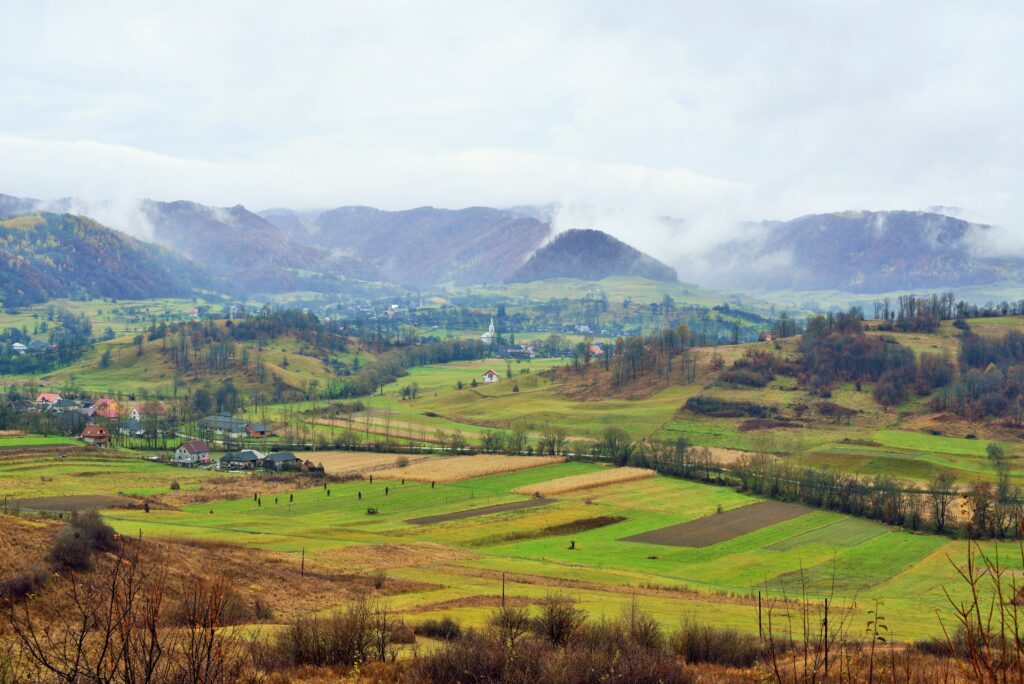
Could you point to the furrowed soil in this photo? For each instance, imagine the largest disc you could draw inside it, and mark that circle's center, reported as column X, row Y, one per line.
column 721, row 527
column 473, row 512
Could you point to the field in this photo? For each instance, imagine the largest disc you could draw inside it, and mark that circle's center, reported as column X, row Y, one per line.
column 457, row 560
column 574, row 483
column 457, row 468
column 714, row 529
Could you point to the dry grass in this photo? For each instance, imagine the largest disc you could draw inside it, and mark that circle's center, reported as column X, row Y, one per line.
column 369, row 557
column 573, row 483
column 455, row 468
column 350, row 462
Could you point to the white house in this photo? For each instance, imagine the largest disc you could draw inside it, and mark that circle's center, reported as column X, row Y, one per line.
column 490, row 376
column 191, row 453
column 18, row 348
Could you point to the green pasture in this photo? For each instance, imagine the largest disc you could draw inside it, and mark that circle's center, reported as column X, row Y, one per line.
column 822, row 553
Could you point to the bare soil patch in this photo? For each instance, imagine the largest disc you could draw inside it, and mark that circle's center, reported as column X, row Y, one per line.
column 455, row 468
column 486, row 510
column 713, row 529
column 571, row 527
column 74, row 502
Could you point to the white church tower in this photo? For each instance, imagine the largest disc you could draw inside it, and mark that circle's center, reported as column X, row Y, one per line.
column 488, row 337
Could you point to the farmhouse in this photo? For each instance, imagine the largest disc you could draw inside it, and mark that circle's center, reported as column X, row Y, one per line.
column 96, row 435
column 244, row 459
column 62, row 405
column 490, row 376
column 191, row 453
column 139, row 411
column 223, row 424
column 258, row 430
column 47, row 398
column 282, row 460
column 107, row 408
column 18, row 348
column 131, row 428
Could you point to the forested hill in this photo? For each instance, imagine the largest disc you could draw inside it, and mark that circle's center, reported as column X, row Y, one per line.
column 425, row 246
column 250, row 253
column 61, row 255
column 860, row 252
column 590, row 255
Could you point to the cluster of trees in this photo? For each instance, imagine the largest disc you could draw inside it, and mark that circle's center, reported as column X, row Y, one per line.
column 639, row 356
column 756, row 368
column 69, row 338
column 991, row 382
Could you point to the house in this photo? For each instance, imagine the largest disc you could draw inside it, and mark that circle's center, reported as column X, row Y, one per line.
column 244, row 459
column 490, row 376
column 596, row 350
column 47, row 398
column 18, row 348
column 190, row 453
column 62, row 405
column 139, row 411
column 258, row 430
column 223, row 424
column 767, row 336
column 96, row 435
column 488, row 337
column 107, row 408
column 282, row 460
column 132, row 428
column 38, row 346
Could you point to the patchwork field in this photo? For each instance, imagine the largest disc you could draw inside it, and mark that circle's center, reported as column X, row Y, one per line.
column 455, row 468
column 457, row 540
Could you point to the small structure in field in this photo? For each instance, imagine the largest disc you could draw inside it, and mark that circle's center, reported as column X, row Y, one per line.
column 241, row 460
column 95, row 434
column 258, row 430
column 223, row 425
column 193, row 452
column 282, row 460
column 490, row 376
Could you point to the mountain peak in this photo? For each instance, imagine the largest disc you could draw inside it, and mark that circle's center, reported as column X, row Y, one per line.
column 589, row 254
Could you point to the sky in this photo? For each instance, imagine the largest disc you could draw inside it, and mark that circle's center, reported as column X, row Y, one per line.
column 618, row 112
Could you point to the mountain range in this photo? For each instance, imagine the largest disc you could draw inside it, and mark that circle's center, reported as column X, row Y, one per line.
column 860, row 252
column 237, row 251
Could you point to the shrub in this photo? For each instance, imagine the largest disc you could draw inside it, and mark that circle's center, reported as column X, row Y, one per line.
column 99, row 535
column 559, row 619
column 445, row 629
column 175, row 486
column 401, row 462
column 697, row 643
column 401, row 633
column 262, row 610
column 20, row 586
column 71, row 550
column 379, row 578
column 344, row 638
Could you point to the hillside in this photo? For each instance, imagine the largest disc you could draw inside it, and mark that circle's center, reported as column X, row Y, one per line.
column 861, row 252
column 425, row 246
column 253, row 254
column 590, row 255
column 48, row 255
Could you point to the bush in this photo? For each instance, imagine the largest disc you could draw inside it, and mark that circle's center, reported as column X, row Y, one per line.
column 22, row 585
column 262, row 610
column 71, row 550
column 559, row 619
column 344, row 638
column 697, row 643
column 401, row 462
column 175, row 486
column 445, row 629
column 401, row 633
column 99, row 535
column 379, row 578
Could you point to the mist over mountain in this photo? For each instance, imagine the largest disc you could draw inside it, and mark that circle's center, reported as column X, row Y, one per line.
column 860, row 251
column 47, row 255
column 252, row 254
column 590, row 255
column 426, row 246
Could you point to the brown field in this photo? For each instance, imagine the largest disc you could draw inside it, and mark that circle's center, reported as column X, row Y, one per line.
column 370, row 557
column 74, row 502
column 353, row 462
column 455, row 468
column 486, row 510
column 720, row 527
column 574, row 483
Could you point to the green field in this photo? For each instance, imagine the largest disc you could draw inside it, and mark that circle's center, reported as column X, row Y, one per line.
column 869, row 560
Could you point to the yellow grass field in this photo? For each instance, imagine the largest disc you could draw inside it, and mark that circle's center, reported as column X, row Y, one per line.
column 345, row 462
column 455, row 468
column 573, row 483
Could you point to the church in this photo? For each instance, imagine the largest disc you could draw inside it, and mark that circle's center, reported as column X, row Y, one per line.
column 488, row 337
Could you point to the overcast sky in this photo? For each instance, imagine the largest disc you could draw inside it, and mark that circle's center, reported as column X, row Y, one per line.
column 710, row 111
